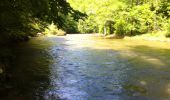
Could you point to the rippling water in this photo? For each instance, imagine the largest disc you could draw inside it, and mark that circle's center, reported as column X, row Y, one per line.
column 83, row 67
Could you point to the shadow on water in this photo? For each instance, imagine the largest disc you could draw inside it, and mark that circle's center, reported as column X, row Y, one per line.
column 88, row 73
column 157, row 56
column 150, row 71
column 63, row 69
column 29, row 72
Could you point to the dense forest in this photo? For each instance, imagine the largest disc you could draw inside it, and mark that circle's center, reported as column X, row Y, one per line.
column 124, row 17
column 20, row 19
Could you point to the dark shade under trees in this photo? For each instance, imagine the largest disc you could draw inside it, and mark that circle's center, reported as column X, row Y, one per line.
column 22, row 18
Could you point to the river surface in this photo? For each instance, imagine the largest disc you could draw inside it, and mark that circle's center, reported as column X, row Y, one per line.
column 83, row 67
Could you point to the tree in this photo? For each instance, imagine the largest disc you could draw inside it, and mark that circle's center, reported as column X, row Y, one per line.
column 19, row 18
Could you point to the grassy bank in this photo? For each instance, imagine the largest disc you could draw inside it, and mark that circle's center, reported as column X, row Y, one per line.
column 158, row 36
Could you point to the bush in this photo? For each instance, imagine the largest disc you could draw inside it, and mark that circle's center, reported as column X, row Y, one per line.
column 168, row 30
column 52, row 29
column 121, row 27
column 87, row 26
column 17, row 36
column 141, row 19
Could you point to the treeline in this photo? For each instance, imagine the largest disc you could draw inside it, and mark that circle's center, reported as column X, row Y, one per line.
column 124, row 17
column 22, row 18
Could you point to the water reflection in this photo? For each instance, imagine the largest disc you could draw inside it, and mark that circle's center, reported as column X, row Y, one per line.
column 82, row 67
column 95, row 69
column 29, row 71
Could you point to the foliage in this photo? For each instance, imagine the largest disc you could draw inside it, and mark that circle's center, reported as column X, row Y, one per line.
column 98, row 11
column 23, row 18
column 121, row 27
column 52, row 29
column 164, row 9
column 168, row 29
column 131, row 17
column 141, row 18
column 20, row 19
column 70, row 25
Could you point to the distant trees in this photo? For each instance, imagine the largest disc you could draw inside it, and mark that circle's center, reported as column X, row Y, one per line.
column 130, row 17
column 98, row 11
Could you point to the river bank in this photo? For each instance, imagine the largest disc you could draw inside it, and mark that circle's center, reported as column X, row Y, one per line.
column 150, row 37
column 146, row 37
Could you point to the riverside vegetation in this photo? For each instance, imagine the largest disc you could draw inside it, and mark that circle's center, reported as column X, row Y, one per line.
column 124, row 17
column 20, row 20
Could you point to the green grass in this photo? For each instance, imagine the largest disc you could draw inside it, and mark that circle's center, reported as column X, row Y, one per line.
column 154, row 36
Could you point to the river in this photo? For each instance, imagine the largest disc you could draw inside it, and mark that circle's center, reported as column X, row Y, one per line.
column 83, row 67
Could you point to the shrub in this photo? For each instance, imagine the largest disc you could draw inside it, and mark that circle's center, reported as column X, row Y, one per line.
column 141, row 19
column 168, row 29
column 16, row 35
column 52, row 29
column 121, row 27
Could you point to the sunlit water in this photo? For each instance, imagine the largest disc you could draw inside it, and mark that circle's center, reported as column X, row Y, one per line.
column 83, row 67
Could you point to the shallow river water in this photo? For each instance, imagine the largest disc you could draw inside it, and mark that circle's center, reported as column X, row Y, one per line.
column 83, row 67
